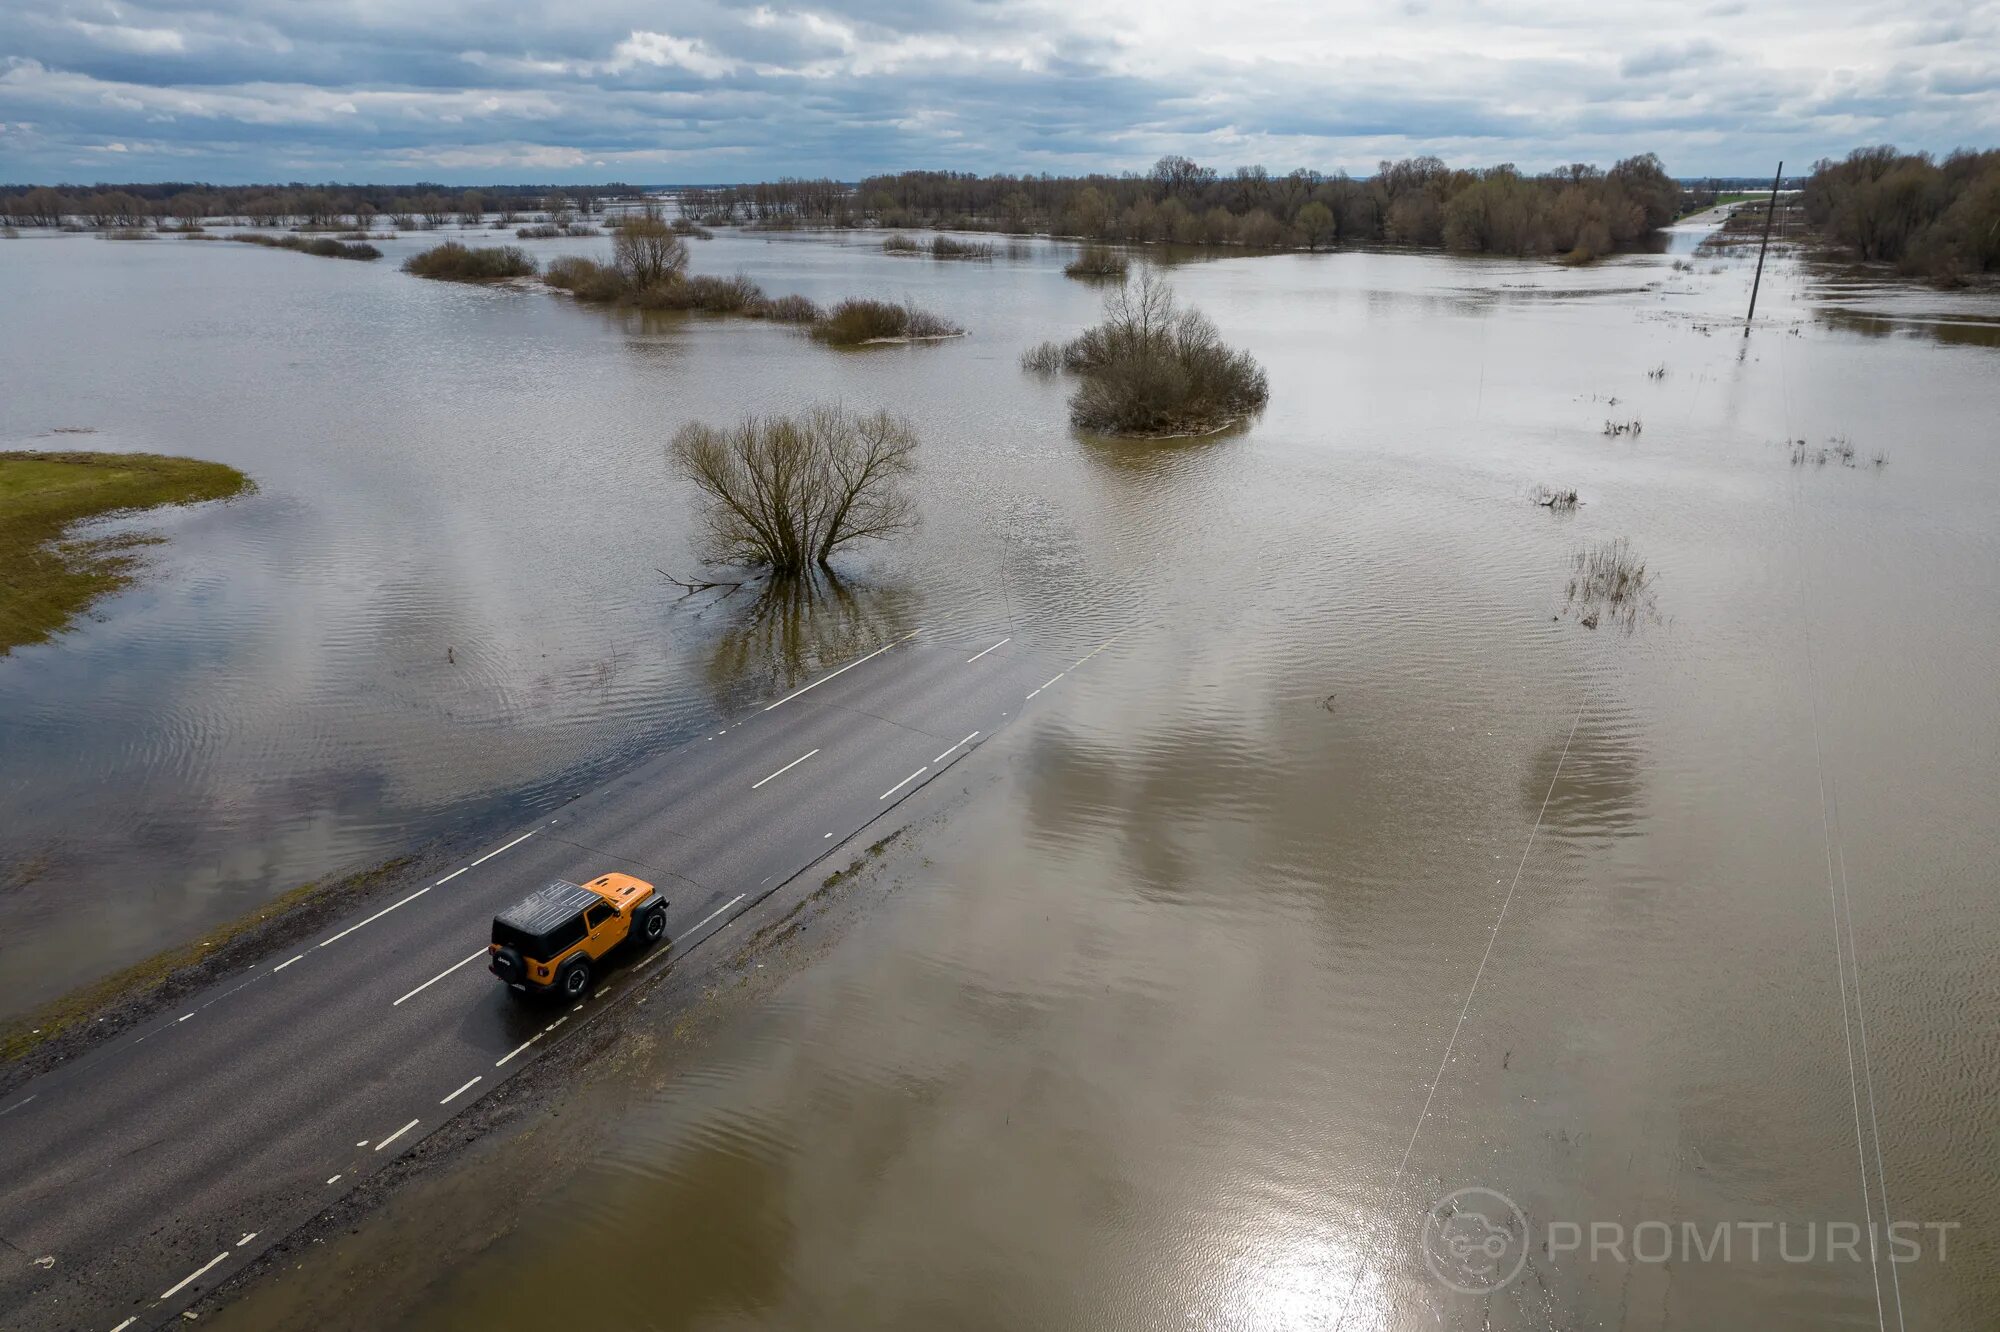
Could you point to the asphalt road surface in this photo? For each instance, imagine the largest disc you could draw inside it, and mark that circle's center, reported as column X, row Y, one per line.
column 149, row 1170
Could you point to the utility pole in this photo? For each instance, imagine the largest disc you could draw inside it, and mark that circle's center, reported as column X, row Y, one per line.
column 1769, row 209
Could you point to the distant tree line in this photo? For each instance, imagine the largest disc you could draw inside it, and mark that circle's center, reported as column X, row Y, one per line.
column 408, row 207
column 1579, row 209
column 1939, row 220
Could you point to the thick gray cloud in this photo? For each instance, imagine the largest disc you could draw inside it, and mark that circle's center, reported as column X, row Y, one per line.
column 705, row 90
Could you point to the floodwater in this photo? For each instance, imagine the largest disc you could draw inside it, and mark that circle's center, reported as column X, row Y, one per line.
column 1359, row 873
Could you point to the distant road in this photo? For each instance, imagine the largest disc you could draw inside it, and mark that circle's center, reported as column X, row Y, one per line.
column 152, row 1168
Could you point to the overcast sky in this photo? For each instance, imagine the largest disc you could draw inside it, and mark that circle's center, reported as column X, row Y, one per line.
column 698, row 91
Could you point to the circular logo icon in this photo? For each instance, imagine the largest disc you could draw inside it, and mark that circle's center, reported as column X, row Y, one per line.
column 1475, row 1240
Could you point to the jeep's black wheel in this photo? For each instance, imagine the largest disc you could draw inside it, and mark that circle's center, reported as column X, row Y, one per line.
column 575, row 979
column 653, row 925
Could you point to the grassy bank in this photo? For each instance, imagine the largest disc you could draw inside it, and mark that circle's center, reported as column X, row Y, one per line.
column 47, row 580
column 65, row 1027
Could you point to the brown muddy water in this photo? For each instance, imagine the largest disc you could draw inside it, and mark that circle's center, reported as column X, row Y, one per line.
column 1358, row 874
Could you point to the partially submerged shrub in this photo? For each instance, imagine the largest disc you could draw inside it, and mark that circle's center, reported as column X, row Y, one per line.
column 788, row 492
column 691, row 230
column 857, row 320
column 793, row 309
column 549, row 230
column 1044, row 358
column 1839, row 449
column 1152, row 368
column 1098, row 261
column 1558, row 501
column 898, row 243
column 1609, row 581
column 948, row 247
column 585, row 279
column 715, row 295
column 462, row 263
column 126, row 233
column 324, row 246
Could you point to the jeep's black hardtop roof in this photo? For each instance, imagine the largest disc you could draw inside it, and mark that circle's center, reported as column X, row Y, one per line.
column 545, row 908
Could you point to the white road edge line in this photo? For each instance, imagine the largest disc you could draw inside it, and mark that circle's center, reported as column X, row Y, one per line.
column 905, row 782
column 787, row 768
column 191, row 1277
column 440, row 976
column 983, row 651
column 941, row 757
column 282, row 965
column 848, row 667
column 397, row 1134
column 461, row 1091
column 17, row 1105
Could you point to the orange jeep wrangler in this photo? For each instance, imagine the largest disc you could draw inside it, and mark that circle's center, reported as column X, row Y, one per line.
column 547, row 942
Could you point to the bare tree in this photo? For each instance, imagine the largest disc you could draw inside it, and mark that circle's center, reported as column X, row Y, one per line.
column 789, row 491
column 647, row 252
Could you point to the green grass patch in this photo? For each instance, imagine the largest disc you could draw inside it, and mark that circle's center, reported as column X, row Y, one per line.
column 46, row 580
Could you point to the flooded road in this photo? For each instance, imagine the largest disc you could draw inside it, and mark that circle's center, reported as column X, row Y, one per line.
column 1358, row 874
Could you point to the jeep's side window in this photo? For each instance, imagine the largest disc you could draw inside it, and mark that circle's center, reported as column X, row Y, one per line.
column 562, row 936
column 596, row 915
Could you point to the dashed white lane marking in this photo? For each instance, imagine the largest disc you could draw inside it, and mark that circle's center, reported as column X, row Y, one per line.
column 968, row 739
column 191, row 1277
column 848, row 667
column 421, row 891
column 1046, row 683
column 490, row 854
column 127, row 1323
column 461, row 1091
column 905, row 782
column 17, row 1105
column 246, row 1239
column 377, row 916
column 183, row 1018
column 787, row 768
column 397, row 1134
column 517, row 1049
column 286, row 963
column 718, row 911
column 440, row 976
column 334, row 1180
column 983, row 651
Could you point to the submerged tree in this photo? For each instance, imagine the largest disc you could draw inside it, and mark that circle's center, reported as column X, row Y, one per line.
column 1154, row 368
column 789, row 491
column 646, row 251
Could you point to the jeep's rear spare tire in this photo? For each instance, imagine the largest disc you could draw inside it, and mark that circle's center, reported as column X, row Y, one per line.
column 508, row 967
